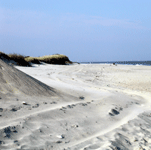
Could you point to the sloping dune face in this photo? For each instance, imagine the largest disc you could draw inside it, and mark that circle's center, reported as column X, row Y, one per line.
column 15, row 81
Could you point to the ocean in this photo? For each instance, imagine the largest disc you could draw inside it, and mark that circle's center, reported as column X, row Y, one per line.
column 146, row 63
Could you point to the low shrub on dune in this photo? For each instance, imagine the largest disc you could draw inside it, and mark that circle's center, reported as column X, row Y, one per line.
column 4, row 56
column 19, row 59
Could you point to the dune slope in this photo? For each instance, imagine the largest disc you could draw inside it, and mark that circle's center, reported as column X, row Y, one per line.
column 14, row 81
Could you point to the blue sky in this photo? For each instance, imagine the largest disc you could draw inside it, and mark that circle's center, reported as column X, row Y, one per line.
column 84, row 30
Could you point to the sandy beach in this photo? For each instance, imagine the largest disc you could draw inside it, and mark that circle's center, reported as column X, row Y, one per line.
column 75, row 107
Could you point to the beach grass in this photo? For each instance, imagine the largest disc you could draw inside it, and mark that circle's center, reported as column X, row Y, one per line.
column 55, row 59
column 50, row 59
column 19, row 59
column 32, row 60
column 27, row 60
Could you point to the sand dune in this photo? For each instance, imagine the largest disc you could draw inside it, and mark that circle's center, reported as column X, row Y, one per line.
column 75, row 107
column 12, row 80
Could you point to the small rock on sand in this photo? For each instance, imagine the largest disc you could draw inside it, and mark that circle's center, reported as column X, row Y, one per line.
column 61, row 136
column 24, row 103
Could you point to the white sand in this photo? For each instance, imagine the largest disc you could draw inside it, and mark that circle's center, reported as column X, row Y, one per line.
column 99, row 107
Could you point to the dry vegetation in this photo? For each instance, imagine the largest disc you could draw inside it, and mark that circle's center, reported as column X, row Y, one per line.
column 26, row 61
column 19, row 59
column 4, row 56
column 55, row 59
column 32, row 60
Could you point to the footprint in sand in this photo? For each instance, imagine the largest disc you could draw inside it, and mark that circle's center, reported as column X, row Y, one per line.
column 53, row 103
column 81, row 97
column 58, row 142
column 71, row 106
column 15, row 141
column 113, row 112
column 1, row 109
column 15, row 109
column 1, row 142
column 37, row 105
column 83, row 104
column 9, row 130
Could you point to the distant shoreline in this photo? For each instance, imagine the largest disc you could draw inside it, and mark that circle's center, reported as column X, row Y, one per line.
column 146, row 63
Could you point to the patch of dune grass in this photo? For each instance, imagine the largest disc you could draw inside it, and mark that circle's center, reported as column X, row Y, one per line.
column 50, row 59
column 32, row 60
column 27, row 60
column 19, row 59
column 55, row 59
